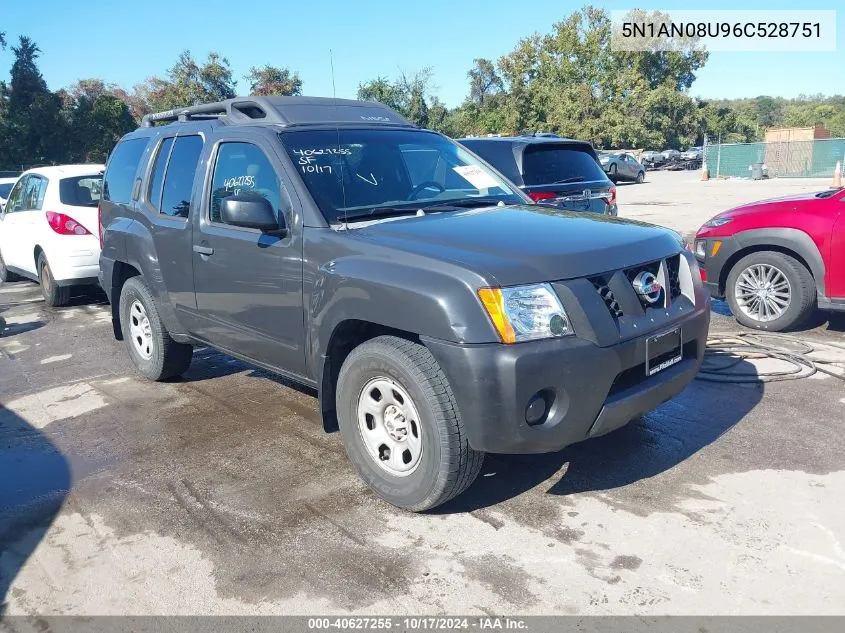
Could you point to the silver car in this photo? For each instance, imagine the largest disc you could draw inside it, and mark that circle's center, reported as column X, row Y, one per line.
column 622, row 167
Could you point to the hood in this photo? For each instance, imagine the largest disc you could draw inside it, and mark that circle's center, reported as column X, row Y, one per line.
column 525, row 243
column 763, row 206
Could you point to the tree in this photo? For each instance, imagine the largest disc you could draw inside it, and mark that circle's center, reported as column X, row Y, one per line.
column 484, row 81
column 408, row 95
column 187, row 83
column 273, row 80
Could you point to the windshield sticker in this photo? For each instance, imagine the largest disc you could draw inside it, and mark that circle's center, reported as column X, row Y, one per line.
column 324, row 151
column 476, row 176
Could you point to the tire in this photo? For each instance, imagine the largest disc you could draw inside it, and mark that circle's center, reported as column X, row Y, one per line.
column 162, row 357
column 799, row 293
column 640, row 178
column 444, row 464
column 611, row 173
column 54, row 296
column 5, row 275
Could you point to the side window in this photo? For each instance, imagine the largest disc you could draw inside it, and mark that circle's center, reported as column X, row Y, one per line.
column 157, row 180
column 33, row 194
column 121, row 169
column 179, row 179
column 15, row 200
column 243, row 169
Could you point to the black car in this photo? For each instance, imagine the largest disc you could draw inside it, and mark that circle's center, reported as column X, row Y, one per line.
column 553, row 170
column 437, row 312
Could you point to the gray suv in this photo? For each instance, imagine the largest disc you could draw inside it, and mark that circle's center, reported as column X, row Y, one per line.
column 437, row 312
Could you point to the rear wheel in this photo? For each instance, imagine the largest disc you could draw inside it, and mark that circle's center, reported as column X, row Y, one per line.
column 5, row 275
column 769, row 290
column 154, row 353
column 54, row 295
column 401, row 425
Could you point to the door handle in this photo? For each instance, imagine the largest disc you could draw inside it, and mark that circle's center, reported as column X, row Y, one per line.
column 203, row 250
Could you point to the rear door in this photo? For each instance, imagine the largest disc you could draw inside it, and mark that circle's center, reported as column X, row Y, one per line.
column 23, row 222
column 570, row 171
column 10, row 227
column 249, row 284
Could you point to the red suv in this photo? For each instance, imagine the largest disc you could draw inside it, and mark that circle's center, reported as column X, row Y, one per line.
column 775, row 261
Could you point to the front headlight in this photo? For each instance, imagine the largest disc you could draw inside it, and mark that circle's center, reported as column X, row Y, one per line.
column 700, row 248
column 717, row 221
column 525, row 313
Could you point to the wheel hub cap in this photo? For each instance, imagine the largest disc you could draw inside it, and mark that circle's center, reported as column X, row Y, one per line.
column 140, row 330
column 389, row 425
column 763, row 292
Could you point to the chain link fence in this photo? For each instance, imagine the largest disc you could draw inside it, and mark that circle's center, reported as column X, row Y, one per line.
column 789, row 159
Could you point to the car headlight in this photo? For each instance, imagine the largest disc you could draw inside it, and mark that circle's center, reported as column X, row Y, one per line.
column 717, row 221
column 700, row 248
column 525, row 313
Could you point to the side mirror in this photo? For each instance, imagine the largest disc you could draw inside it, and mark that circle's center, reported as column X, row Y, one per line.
column 252, row 212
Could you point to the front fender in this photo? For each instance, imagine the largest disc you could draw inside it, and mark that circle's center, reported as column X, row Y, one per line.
column 790, row 239
column 434, row 301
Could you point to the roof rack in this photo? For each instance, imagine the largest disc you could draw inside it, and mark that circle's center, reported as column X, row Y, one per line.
column 284, row 111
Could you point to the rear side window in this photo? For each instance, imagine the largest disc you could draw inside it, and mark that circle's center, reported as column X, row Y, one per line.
column 549, row 164
column 500, row 155
column 120, row 172
column 34, row 192
column 81, row 191
column 179, row 179
column 243, row 169
column 156, row 182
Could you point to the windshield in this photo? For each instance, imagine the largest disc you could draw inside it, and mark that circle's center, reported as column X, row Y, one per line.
column 350, row 173
column 5, row 188
column 544, row 164
column 81, row 191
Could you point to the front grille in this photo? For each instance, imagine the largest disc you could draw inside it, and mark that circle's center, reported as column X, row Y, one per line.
column 600, row 284
column 625, row 299
column 673, row 267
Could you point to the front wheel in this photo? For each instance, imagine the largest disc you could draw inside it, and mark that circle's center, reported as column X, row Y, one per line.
column 401, row 425
column 154, row 353
column 53, row 294
column 611, row 173
column 640, row 178
column 769, row 290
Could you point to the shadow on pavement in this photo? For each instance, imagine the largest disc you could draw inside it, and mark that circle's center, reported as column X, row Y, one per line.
column 643, row 448
column 35, row 478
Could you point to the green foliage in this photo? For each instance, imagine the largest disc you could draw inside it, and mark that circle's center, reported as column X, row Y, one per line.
column 188, row 83
column 409, row 95
column 271, row 80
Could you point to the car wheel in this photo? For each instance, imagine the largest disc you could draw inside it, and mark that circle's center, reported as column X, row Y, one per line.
column 771, row 291
column 401, row 425
column 611, row 173
column 5, row 275
column 53, row 294
column 640, row 178
column 154, row 353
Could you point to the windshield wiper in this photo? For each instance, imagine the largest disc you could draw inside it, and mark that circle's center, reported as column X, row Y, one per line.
column 570, row 179
column 378, row 212
column 463, row 203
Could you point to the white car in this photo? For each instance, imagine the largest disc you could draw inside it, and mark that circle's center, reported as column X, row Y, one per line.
column 49, row 229
column 6, row 185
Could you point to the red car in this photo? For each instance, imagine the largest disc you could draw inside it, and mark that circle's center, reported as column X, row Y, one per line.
column 775, row 261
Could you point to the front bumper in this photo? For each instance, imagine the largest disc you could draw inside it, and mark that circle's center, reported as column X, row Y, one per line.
column 594, row 390
column 713, row 266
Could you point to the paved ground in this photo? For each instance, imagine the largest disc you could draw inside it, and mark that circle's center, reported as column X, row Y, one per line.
column 219, row 493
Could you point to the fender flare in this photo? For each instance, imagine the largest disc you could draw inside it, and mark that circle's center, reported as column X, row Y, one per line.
column 789, row 239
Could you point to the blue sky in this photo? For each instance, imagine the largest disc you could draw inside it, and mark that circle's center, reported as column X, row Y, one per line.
column 126, row 42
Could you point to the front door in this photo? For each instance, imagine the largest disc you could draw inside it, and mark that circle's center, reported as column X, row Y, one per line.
column 248, row 284
column 836, row 274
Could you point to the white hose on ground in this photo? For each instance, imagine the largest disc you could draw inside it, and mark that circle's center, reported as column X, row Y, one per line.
column 730, row 357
